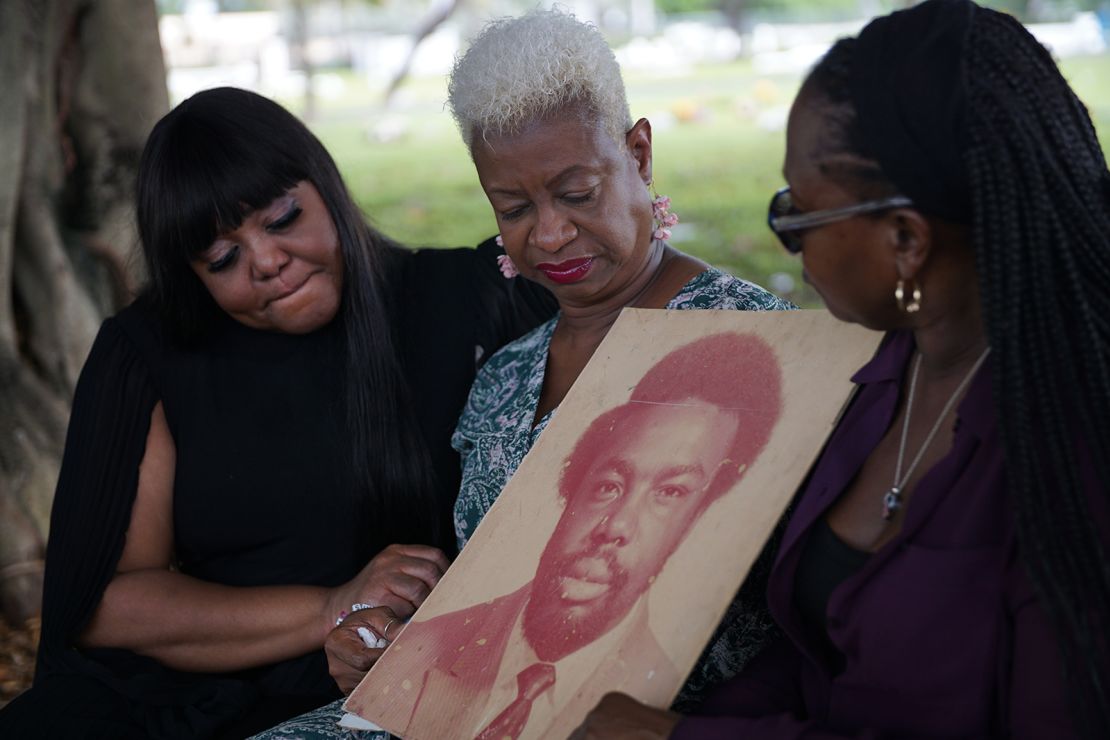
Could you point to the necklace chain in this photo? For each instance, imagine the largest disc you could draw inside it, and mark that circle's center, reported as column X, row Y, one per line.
column 892, row 500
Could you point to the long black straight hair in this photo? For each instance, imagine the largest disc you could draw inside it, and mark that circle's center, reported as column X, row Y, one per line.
column 224, row 153
column 1040, row 207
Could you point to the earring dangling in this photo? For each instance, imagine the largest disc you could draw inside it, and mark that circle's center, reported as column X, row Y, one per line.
column 504, row 261
column 662, row 218
column 914, row 304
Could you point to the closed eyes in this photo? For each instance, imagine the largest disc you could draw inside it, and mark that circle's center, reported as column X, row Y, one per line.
column 513, row 214
column 285, row 219
column 227, row 258
column 574, row 199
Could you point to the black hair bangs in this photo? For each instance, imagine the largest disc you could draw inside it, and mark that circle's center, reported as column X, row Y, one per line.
column 209, row 162
column 220, row 155
column 211, row 180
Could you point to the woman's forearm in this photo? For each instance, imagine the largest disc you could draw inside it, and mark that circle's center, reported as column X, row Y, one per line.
column 193, row 625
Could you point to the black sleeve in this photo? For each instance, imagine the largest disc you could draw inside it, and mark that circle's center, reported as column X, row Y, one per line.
column 452, row 309
column 80, row 692
column 99, row 476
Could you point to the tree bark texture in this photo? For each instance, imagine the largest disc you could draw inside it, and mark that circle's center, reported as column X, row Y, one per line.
column 81, row 84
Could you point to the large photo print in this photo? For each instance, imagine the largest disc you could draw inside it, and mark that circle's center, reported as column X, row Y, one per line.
column 609, row 558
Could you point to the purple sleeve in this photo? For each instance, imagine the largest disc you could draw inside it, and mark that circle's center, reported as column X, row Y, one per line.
column 765, row 700
column 1038, row 705
column 776, row 727
column 762, row 701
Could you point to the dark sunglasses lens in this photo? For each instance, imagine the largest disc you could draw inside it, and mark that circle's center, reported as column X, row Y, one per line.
column 783, row 205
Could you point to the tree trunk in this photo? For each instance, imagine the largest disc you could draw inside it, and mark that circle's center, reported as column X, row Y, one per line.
column 439, row 12
column 82, row 82
column 302, row 57
column 735, row 13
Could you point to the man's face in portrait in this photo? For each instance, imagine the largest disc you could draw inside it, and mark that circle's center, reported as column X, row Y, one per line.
column 636, row 502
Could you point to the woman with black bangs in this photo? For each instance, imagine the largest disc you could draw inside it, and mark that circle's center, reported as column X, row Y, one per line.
column 259, row 444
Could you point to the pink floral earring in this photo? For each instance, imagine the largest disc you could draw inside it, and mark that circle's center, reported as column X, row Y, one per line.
column 663, row 219
column 504, row 261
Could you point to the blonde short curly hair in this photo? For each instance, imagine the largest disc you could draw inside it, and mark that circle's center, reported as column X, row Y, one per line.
column 518, row 70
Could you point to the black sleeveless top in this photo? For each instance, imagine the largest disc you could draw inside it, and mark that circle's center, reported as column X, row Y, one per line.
column 825, row 563
column 262, row 492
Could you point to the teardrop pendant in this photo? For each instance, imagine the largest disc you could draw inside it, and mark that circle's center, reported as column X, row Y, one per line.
column 892, row 502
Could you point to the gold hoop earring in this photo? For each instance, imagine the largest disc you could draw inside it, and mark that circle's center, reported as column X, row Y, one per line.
column 914, row 304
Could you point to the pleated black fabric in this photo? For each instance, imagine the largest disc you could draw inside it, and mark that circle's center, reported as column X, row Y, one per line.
column 261, row 494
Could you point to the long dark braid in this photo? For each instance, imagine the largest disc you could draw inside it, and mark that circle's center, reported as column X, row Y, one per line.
column 1041, row 199
column 1041, row 232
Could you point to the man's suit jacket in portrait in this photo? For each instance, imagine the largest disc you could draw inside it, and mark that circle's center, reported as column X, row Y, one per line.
column 442, row 672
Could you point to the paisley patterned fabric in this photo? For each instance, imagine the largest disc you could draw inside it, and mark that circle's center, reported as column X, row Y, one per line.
column 319, row 724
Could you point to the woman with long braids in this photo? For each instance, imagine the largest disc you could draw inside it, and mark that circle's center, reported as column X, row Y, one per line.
column 945, row 571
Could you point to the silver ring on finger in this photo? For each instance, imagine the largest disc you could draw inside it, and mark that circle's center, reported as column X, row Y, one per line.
column 385, row 629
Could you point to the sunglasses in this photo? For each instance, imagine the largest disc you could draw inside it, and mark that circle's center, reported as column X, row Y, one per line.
column 788, row 223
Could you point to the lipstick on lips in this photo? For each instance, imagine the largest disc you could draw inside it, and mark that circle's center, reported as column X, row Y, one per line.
column 570, row 271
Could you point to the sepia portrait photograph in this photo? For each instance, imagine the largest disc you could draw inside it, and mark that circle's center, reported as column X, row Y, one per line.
column 614, row 550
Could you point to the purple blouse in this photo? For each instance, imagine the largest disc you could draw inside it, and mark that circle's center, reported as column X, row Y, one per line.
column 941, row 631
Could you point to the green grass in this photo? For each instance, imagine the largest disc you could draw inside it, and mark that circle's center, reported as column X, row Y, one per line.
column 712, row 156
